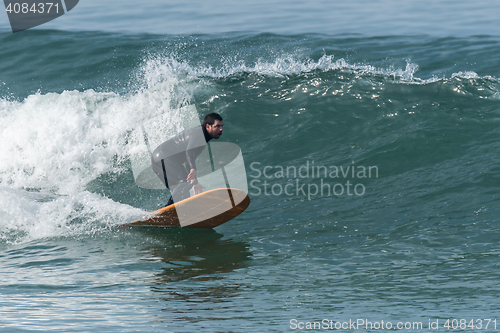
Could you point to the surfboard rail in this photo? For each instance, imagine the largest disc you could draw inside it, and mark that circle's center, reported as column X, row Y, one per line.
column 204, row 211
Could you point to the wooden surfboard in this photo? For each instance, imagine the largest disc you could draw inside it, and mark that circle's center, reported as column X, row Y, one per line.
column 205, row 211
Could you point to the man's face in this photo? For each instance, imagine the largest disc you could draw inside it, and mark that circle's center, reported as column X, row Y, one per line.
column 215, row 130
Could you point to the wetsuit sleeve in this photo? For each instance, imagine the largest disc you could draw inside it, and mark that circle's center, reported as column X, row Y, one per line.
column 196, row 144
column 191, row 158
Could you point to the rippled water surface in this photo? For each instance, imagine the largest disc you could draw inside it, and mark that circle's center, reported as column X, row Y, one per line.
column 370, row 146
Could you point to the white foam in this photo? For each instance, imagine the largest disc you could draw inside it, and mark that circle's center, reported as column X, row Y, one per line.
column 61, row 142
column 281, row 66
column 156, row 68
column 55, row 144
column 26, row 216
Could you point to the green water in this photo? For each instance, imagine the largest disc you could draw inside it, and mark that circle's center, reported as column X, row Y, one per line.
column 413, row 241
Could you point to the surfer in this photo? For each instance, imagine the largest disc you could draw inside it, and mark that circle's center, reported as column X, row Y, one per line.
column 174, row 161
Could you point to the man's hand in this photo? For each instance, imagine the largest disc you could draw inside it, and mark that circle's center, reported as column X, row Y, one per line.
column 192, row 176
column 198, row 188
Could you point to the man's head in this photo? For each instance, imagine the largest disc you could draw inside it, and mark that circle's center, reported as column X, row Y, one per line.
column 213, row 124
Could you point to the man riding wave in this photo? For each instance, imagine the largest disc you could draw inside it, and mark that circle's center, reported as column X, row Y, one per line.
column 174, row 161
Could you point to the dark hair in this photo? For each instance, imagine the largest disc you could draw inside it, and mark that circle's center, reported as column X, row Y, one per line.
column 211, row 118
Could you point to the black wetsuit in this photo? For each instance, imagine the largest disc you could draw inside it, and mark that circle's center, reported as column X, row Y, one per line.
column 172, row 160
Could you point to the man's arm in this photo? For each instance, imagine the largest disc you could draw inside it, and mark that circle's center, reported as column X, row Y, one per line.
column 191, row 176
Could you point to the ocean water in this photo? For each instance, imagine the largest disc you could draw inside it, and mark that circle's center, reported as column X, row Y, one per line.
column 369, row 132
